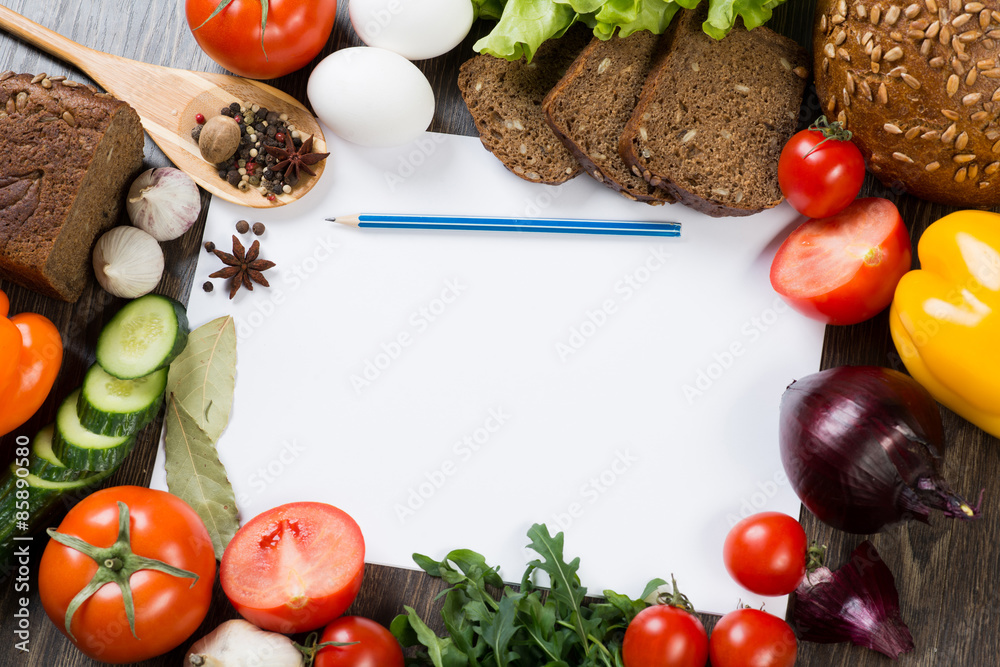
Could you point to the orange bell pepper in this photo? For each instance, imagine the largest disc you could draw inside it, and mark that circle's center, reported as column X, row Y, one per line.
column 31, row 353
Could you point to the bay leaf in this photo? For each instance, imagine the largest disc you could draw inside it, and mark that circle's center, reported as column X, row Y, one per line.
column 196, row 475
column 203, row 376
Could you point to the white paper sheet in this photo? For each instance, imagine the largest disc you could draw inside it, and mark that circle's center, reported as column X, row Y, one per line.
column 449, row 389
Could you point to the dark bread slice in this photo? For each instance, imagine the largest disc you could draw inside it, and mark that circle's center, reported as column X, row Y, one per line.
column 714, row 116
column 590, row 105
column 67, row 158
column 505, row 100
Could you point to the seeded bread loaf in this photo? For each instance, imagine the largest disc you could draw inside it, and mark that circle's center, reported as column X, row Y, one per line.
column 918, row 83
column 67, row 157
column 505, row 100
column 714, row 115
column 590, row 105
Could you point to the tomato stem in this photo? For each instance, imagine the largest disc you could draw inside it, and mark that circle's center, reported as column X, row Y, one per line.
column 263, row 19
column 119, row 564
column 311, row 648
column 834, row 130
column 676, row 598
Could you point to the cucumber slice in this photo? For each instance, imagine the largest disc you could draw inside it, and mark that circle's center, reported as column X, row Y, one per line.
column 45, row 464
column 78, row 448
column 111, row 406
column 21, row 516
column 144, row 336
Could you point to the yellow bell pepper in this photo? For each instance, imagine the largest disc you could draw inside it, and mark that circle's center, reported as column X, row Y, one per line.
column 945, row 317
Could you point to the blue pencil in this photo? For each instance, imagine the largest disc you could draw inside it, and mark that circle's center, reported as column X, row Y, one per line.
column 486, row 224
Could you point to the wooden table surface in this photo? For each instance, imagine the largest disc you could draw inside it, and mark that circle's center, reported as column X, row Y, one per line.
column 946, row 572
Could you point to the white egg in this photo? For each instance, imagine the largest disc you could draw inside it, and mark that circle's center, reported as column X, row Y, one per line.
column 415, row 29
column 371, row 96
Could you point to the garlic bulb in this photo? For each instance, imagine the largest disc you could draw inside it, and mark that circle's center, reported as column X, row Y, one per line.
column 128, row 262
column 164, row 202
column 238, row 643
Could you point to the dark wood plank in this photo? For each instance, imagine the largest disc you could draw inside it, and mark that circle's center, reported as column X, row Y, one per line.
column 944, row 571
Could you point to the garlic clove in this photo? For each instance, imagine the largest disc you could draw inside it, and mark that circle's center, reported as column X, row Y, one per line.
column 128, row 262
column 238, row 643
column 165, row 202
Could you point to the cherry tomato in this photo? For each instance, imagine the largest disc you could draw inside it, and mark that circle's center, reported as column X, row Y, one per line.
column 665, row 636
column 820, row 171
column 752, row 638
column 168, row 608
column 37, row 367
column 296, row 32
column 844, row 269
column 295, row 567
column 375, row 646
column 766, row 553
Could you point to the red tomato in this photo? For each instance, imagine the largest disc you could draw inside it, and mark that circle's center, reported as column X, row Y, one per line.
column 168, row 608
column 822, row 182
column 375, row 647
column 665, row 636
column 766, row 553
column 752, row 638
column 294, row 568
column 296, row 32
column 37, row 367
column 844, row 269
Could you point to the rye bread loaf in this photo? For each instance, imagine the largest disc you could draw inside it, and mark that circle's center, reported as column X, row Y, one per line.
column 67, row 157
column 505, row 100
column 590, row 105
column 714, row 115
column 918, row 84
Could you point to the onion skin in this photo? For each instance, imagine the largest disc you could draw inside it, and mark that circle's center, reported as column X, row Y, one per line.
column 862, row 448
column 858, row 603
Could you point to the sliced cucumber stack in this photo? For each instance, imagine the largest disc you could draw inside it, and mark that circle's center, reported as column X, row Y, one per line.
column 82, row 449
column 44, row 463
column 116, row 407
column 143, row 337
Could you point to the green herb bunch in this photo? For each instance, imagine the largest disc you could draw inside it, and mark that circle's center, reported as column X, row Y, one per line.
column 526, row 627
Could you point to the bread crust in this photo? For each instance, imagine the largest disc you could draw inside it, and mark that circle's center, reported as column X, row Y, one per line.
column 918, row 84
column 675, row 141
column 616, row 69
column 67, row 157
column 505, row 98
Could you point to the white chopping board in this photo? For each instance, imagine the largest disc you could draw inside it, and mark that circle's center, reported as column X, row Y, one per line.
column 449, row 389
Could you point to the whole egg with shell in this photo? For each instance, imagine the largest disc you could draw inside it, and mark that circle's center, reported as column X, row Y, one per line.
column 415, row 29
column 371, row 96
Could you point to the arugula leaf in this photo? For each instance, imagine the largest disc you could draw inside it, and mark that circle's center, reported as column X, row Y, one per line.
column 527, row 627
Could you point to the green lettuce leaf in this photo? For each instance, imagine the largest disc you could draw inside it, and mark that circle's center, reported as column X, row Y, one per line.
column 722, row 15
column 524, row 25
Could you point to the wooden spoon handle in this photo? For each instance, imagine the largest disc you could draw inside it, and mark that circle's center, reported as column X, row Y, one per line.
column 53, row 43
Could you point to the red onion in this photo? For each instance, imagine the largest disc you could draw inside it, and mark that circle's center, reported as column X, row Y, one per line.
column 857, row 603
column 862, row 446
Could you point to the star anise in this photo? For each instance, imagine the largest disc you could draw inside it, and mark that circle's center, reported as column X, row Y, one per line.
column 242, row 266
column 292, row 160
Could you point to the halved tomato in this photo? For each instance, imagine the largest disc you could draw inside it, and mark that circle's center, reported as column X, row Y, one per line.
column 295, row 567
column 844, row 269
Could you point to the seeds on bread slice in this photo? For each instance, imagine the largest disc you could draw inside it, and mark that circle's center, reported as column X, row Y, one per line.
column 714, row 115
column 591, row 104
column 505, row 100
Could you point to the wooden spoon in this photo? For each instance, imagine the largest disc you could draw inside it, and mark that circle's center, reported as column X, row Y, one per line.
column 168, row 99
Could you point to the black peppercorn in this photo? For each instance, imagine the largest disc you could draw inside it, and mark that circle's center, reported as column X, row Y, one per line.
column 258, row 228
column 233, row 177
column 208, row 286
column 234, row 107
column 226, row 111
column 242, row 226
column 196, row 132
